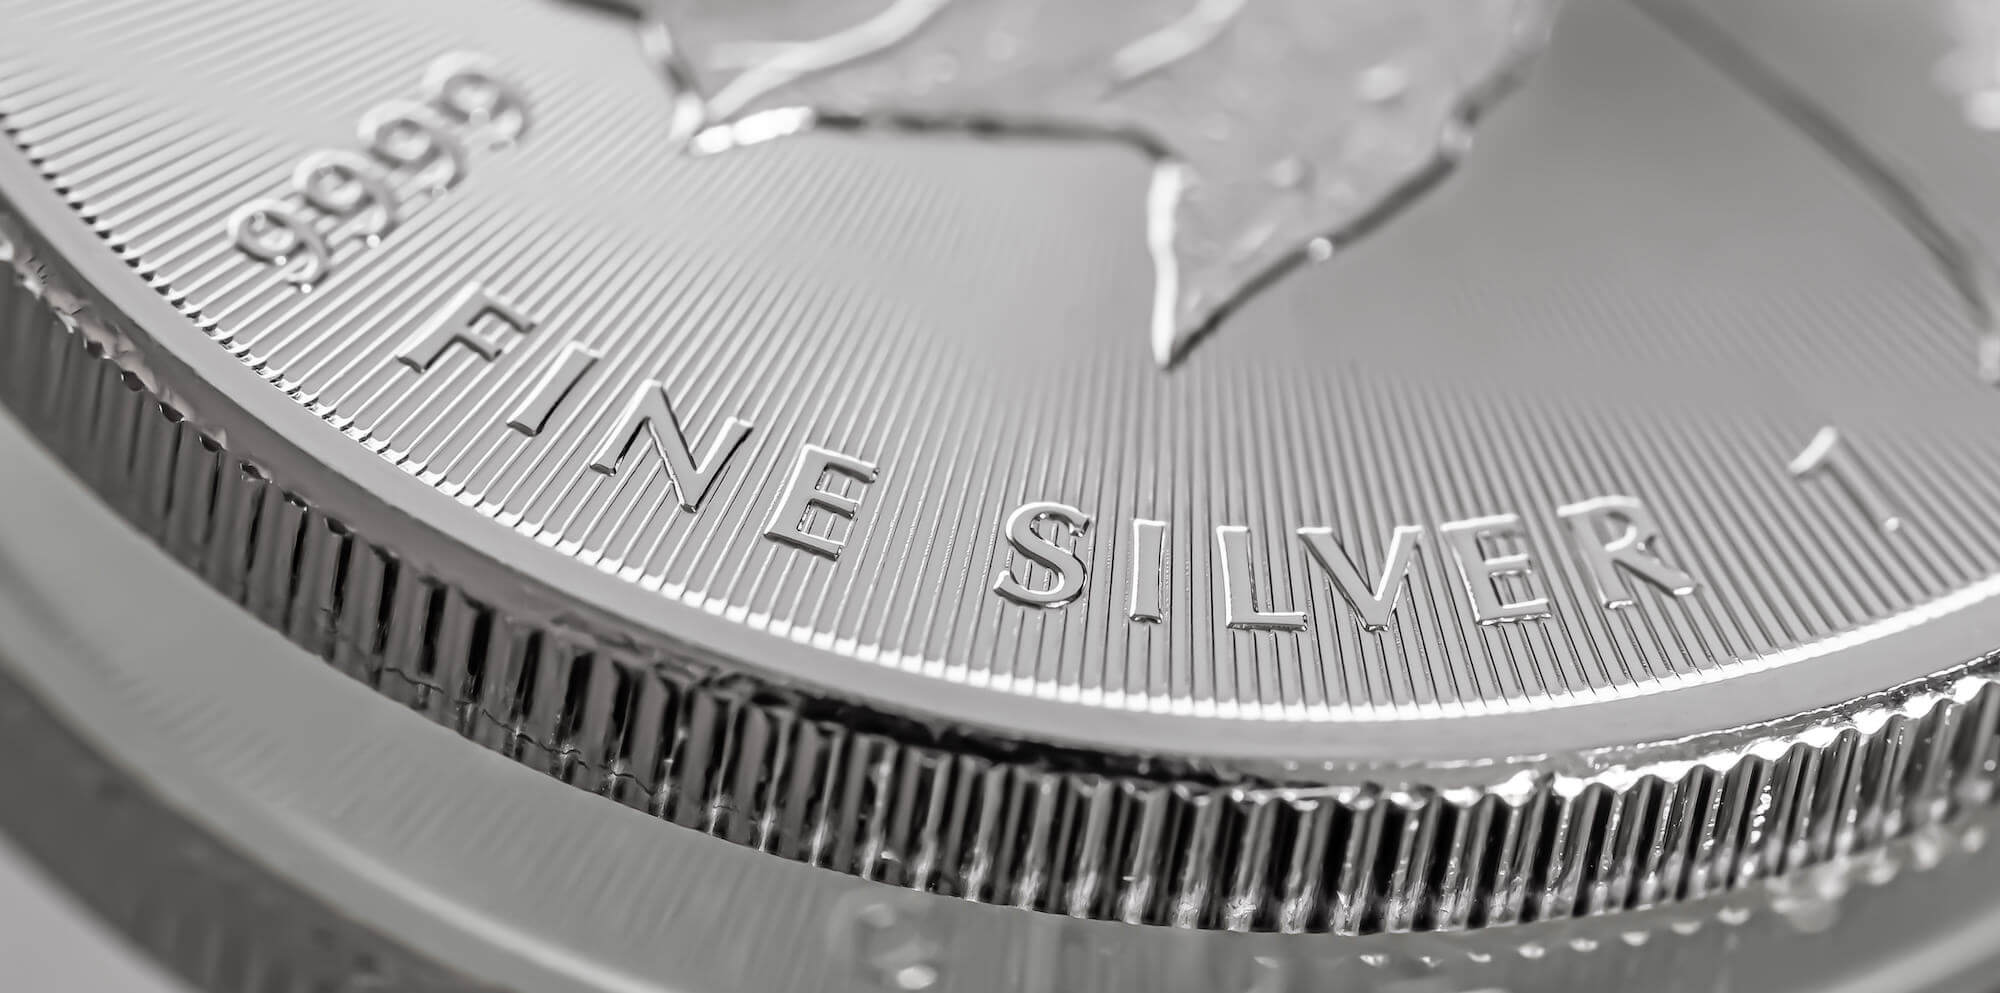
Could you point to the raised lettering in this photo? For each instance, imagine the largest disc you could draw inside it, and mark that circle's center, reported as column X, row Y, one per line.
column 562, row 376
column 804, row 494
column 1630, row 550
column 651, row 416
column 1149, row 549
column 456, row 324
column 1043, row 551
column 1482, row 571
column 1239, row 595
column 1826, row 454
column 1374, row 603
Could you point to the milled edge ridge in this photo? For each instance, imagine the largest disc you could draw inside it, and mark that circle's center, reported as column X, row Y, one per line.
column 714, row 750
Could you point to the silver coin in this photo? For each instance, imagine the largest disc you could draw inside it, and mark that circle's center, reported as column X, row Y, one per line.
column 1231, row 466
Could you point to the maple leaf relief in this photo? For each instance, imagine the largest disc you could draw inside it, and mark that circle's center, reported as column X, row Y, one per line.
column 1279, row 128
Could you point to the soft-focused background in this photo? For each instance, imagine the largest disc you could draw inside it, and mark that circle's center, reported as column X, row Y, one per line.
column 49, row 944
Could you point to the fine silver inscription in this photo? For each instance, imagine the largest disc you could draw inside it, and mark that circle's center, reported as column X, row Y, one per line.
column 961, row 306
column 1613, row 538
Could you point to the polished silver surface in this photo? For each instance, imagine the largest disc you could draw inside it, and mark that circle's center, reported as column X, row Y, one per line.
column 1251, row 170
column 1474, row 361
column 1229, row 466
column 256, row 844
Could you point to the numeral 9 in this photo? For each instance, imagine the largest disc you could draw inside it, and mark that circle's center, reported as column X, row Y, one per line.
column 408, row 135
column 464, row 89
column 270, row 231
column 344, row 185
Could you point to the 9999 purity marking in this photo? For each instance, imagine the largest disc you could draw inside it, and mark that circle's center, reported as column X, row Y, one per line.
column 414, row 151
column 1825, row 454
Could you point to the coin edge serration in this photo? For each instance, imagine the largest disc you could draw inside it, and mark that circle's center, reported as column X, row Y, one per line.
column 1142, row 839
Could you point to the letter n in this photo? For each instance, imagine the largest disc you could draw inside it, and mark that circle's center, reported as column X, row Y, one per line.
column 650, row 416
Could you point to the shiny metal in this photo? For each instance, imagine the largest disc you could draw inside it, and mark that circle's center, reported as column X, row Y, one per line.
column 1248, row 168
column 270, row 845
column 786, row 421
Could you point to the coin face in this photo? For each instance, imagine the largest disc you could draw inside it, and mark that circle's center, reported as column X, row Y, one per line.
column 891, row 396
column 1254, row 386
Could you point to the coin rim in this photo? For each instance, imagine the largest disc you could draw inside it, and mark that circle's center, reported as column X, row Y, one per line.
column 306, row 874
column 520, row 578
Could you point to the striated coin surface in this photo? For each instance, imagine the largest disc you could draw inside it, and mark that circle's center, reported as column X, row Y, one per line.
column 1245, row 464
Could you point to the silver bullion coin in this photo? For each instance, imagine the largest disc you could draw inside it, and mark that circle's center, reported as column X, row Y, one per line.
column 1239, row 495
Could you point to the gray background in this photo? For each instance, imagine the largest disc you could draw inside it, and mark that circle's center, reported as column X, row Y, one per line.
column 49, row 943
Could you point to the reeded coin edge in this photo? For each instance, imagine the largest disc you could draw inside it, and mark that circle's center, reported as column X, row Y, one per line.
column 1135, row 840
column 440, row 803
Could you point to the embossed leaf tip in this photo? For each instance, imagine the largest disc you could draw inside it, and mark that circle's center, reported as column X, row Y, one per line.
column 1279, row 129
